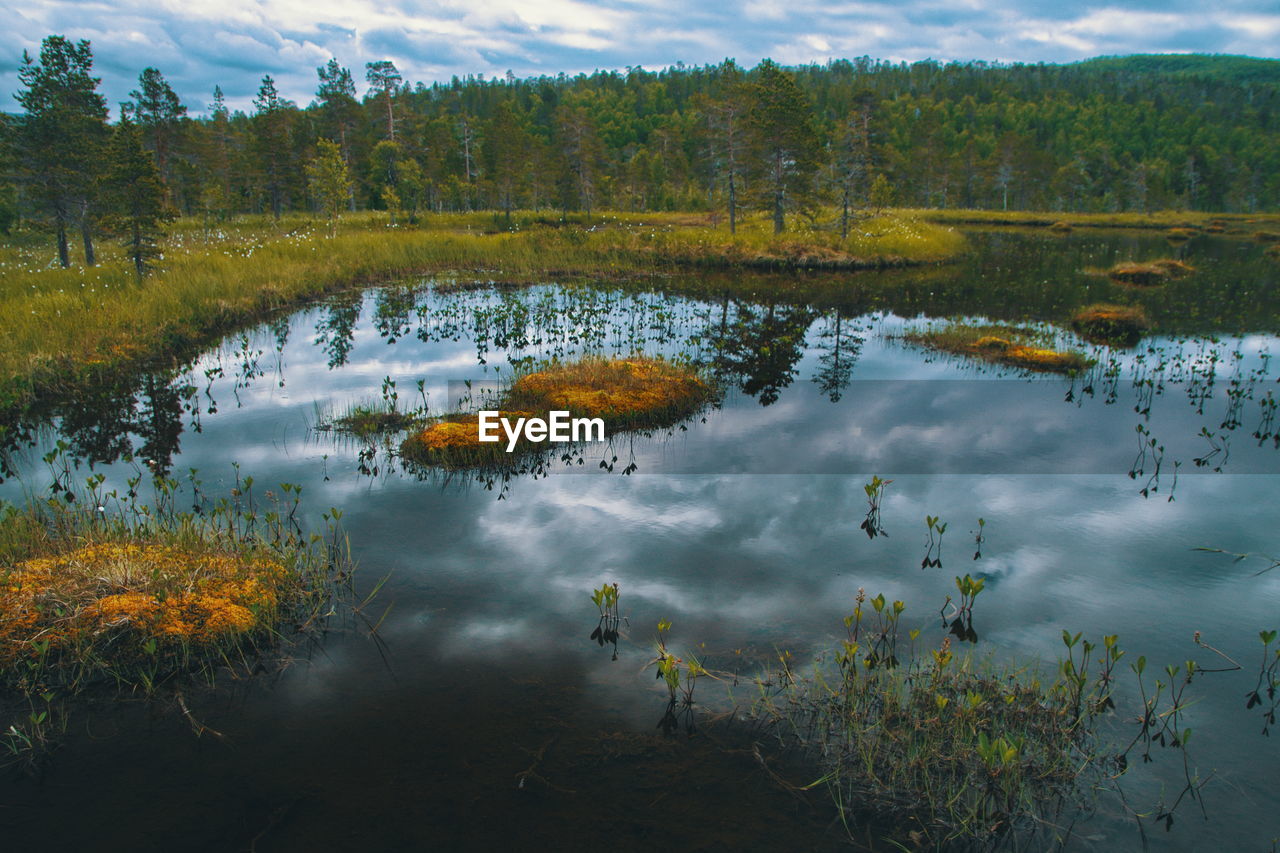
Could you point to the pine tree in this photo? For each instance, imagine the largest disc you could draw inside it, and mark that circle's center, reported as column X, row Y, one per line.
column 157, row 111
column 135, row 196
column 329, row 180
column 786, row 144
column 271, row 126
column 727, row 128
column 383, row 78
column 60, row 139
column 339, row 110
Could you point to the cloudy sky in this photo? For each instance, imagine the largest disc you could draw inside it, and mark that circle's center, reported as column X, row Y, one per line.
column 197, row 43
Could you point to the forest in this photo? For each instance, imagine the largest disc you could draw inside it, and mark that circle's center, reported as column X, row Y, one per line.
column 1137, row 134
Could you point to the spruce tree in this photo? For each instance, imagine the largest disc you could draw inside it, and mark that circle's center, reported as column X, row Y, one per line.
column 135, row 196
column 786, row 144
column 271, row 129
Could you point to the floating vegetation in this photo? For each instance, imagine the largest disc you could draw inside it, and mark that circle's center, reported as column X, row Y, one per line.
column 1106, row 323
column 1149, row 273
column 1267, row 236
column 630, row 393
column 1273, row 251
column 1061, row 226
column 1000, row 345
column 453, row 441
column 1180, row 235
column 634, row 393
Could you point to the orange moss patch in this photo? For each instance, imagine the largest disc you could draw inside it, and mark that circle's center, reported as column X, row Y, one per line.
column 93, row 594
column 1060, row 226
column 1103, row 322
column 1267, row 236
column 625, row 392
column 454, row 442
column 1179, row 235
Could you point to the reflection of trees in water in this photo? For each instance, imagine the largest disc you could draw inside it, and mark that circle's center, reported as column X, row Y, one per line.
column 839, row 344
column 760, row 347
column 335, row 332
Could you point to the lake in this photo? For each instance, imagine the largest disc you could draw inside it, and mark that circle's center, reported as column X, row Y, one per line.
column 482, row 714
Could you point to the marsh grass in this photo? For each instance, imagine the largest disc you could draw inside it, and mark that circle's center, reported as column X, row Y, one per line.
column 952, row 751
column 1103, row 322
column 364, row 420
column 104, row 592
column 996, row 344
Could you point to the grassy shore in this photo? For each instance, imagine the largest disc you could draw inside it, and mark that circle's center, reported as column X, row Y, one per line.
column 66, row 326
column 1163, row 220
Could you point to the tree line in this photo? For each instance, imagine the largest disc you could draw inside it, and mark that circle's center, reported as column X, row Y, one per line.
column 1134, row 134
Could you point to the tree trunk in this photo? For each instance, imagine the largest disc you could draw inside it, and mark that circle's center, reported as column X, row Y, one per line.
column 778, row 222
column 86, row 235
column 733, row 204
column 64, row 253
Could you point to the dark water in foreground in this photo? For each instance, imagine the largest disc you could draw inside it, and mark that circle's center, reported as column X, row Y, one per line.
column 485, row 717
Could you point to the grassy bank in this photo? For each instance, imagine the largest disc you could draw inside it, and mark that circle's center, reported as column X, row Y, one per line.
column 1163, row 220
column 66, row 325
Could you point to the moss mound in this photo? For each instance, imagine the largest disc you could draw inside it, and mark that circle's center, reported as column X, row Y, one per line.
column 1267, row 236
column 1180, row 235
column 627, row 393
column 1150, row 273
column 454, row 442
column 106, row 599
column 1061, row 227
column 1000, row 345
column 1119, row 325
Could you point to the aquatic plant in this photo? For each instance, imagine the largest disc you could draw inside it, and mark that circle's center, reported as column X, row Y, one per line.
column 1180, row 235
column 1060, row 226
column 871, row 525
column 606, row 601
column 1267, row 236
column 953, row 752
column 1104, row 322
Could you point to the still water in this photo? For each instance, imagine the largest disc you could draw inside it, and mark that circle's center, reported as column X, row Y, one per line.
column 482, row 715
